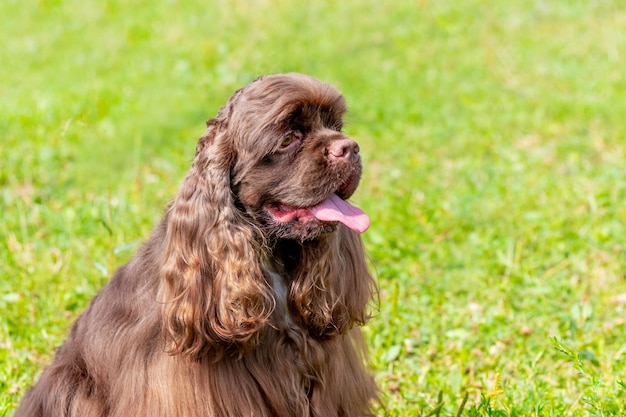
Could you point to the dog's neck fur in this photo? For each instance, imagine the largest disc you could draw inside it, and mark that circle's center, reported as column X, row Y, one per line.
column 281, row 289
column 277, row 267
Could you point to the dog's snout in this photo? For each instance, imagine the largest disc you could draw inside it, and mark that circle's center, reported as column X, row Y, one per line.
column 344, row 149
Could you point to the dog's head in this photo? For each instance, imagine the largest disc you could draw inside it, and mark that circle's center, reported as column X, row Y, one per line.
column 292, row 167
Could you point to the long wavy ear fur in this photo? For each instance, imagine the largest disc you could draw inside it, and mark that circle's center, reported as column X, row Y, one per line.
column 332, row 285
column 213, row 292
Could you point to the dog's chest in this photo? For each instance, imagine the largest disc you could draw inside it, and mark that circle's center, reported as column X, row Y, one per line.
column 293, row 353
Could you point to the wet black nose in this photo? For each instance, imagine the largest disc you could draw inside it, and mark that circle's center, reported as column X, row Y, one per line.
column 343, row 149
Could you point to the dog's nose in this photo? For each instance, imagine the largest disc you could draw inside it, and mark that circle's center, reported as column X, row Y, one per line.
column 344, row 149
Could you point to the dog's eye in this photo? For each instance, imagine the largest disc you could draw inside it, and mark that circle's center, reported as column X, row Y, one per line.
column 290, row 139
column 287, row 140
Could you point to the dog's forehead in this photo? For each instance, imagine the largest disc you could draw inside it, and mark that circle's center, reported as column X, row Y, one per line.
column 278, row 96
column 272, row 102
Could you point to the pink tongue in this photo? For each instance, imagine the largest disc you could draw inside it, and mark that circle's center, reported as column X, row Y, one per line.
column 334, row 209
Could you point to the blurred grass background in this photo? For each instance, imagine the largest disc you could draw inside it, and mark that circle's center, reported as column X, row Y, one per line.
column 493, row 137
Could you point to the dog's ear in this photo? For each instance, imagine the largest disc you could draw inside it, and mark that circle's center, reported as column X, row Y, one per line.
column 213, row 291
column 332, row 286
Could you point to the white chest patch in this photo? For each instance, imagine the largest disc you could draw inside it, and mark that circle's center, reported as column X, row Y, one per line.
column 280, row 294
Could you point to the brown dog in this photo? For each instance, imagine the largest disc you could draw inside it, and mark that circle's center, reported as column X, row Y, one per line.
column 247, row 298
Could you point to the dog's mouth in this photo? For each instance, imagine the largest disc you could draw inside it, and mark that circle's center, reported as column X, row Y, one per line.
column 332, row 209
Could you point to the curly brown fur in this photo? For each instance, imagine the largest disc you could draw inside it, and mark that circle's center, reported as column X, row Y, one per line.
column 242, row 303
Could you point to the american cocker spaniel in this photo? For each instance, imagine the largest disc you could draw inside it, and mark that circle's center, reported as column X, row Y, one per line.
column 247, row 299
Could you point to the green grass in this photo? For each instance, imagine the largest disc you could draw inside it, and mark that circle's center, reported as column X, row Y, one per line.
column 493, row 140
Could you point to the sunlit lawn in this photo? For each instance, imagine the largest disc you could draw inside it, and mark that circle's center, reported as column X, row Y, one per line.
column 493, row 139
